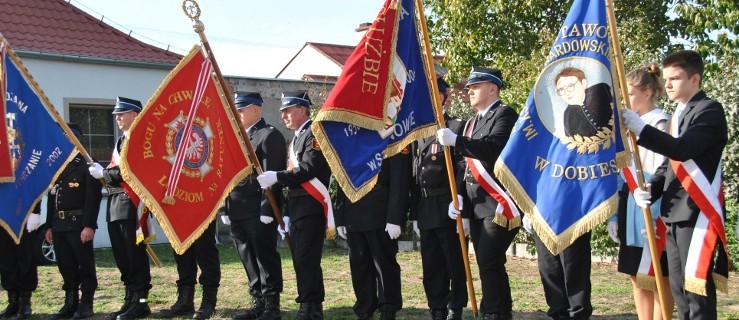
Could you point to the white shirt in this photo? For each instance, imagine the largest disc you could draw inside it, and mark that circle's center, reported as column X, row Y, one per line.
column 675, row 121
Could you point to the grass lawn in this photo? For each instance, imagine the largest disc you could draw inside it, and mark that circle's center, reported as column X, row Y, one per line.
column 611, row 290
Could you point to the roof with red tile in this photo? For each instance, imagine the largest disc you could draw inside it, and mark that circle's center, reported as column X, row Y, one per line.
column 335, row 52
column 55, row 26
column 318, row 77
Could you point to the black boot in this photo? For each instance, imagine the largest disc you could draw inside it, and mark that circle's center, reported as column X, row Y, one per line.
column 454, row 314
column 12, row 309
column 271, row 308
column 387, row 315
column 256, row 310
column 317, row 311
column 71, row 300
column 365, row 316
column 139, row 306
column 127, row 300
column 438, row 314
column 305, row 311
column 84, row 310
column 184, row 304
column 24, row 305
column 208, row 304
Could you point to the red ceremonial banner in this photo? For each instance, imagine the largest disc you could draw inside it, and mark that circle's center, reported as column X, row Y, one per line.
column 183, row 154
column 6, row 162
column 366, row 75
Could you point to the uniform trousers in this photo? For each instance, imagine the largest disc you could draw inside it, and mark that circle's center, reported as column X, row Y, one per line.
column 375, row 271
column 689, row 305
column 491, row 242
column 131, row 259
column 18, row 270
column 444, row 279
column 202, row 253
column 76, row 262
column 306, row 240
column 256, row 243
column 566, row 279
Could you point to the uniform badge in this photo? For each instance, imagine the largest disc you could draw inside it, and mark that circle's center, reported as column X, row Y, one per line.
column 74, row 184
column 199, row 155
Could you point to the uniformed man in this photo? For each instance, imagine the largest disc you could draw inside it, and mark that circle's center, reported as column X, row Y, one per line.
column 202, row 253
column 247, row 210
column 71, row 217
column 444, row 282
column 122, row 218
column 483, row 139
column 18, row 272
column 371, row 227
column 305, row 217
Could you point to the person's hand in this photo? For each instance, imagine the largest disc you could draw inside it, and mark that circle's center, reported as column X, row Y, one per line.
column 87, row 234
column 632, row 121
column 613, row 231
column 267, row 179
column 415, row 228
column 341, row 230
column 96, row 170
column 643, row 197
column 266, row 219
column 526, row 222
column 226, row 220
column 446, row 137
column 33, row 222
column 393, row 230
column 283, row 231
column 453, row 212
column 48, row 236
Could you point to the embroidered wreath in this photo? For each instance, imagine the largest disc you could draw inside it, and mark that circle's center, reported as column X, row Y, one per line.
column 591, row 144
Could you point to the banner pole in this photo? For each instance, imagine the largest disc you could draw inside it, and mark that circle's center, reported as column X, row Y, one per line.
column 200, row 30
column 647, row 212
column 447, row 156
column 70, row 135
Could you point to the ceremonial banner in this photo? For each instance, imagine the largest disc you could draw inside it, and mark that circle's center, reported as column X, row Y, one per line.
column 6, row 167
column 183, row 154
column 562, row 161
column 355, row 152
column 39, row 149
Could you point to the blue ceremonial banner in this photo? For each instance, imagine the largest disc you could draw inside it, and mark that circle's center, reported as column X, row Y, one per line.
column 39, row 148
column 355, row 153
column 561, row 163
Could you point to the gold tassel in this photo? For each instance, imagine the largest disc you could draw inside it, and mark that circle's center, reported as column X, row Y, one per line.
column 168, row 200
column 695, row 285
column 331, row 233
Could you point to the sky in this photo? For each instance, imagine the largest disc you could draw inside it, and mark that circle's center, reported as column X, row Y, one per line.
column 248, row 38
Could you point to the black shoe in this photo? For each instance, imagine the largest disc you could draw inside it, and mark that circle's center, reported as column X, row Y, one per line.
column 388, row 315
column 208, row 304
column 12, row 309
column 305, row 311
column 84, row 310
column 24, row 305
column 494, row 316
column 438, row 314
column 127, row 300
column 184, row 304
column 271, row 308
column 365, row 316
column 139, row 306
column 454, row 314
column 71, row 301
column 256, row 310
column 317, row 311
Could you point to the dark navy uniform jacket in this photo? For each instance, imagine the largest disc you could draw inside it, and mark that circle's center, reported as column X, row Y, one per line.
column 74, row 201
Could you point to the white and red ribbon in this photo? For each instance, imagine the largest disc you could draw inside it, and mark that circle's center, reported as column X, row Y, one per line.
column 317, row 190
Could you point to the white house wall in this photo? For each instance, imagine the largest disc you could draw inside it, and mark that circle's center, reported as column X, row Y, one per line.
column 310, row 61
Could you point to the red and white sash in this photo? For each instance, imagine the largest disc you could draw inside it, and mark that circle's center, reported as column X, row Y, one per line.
column 506, row 214
column 145, row 232
column 709, row 227
column 645, row 272
column 318, row 191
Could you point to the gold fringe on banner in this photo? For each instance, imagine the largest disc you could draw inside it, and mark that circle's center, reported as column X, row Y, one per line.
column 555, row 243
column 331, row 233
column 646, row 282
column 698, row 286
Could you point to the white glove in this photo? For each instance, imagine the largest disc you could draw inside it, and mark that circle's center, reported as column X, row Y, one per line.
column 341, row 231
column 267, row 179
column 225, row 219
column 393, row 230
column 33, row 222
column 96, row 170
column 282, row 231
column 454, row 213
column 526, row 222
column 415, row 228
column 644, row 233
column 266, row 219
column 613, row 231
column 642, row 197
column 632, row 121
column 446, row 137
